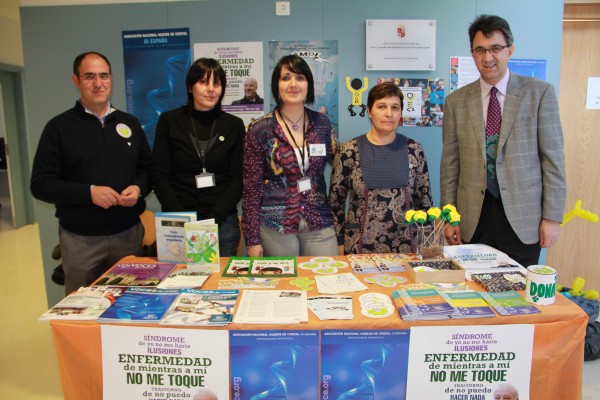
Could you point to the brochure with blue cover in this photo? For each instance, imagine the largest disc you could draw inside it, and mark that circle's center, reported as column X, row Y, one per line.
column 140, row 305
column 364, row 364
column 274, row 365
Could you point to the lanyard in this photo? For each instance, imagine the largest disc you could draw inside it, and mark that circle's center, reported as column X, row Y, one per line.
column 202, row 146
column 301, row 150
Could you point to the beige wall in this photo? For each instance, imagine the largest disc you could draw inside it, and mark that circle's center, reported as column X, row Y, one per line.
column 11, row 48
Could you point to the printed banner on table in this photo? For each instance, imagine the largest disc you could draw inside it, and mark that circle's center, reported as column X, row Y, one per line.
column 470, row 362
column 154, row 363
column 274, row 365
column 243, row 64
column 423, row 100
column 156, row 63
column 322, row 58
column 364, row 364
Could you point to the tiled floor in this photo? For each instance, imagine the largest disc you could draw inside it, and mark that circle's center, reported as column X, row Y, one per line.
column 28, row 369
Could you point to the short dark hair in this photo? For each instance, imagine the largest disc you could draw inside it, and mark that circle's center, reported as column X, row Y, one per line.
column 213, row 70
column 383, row 90
column 488, row 24
column 297, row 65
column 79, row 60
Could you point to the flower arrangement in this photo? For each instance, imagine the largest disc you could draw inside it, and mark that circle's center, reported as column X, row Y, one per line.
column 430, row 242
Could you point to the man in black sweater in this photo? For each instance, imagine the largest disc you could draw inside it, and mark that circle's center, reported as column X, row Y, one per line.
column 92, row 163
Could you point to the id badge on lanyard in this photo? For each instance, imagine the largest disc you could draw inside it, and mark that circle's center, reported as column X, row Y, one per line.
column 304, row 184
column 205, row 179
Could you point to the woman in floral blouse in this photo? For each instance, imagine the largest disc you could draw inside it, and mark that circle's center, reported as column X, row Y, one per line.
column 384, row 174
column 284, row 202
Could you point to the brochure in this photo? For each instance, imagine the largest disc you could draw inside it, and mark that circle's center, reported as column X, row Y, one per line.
column 500, row 281
column 131, row 274
column 170, row 235
column 468, row 304
column 182, row 279
column 202, row 246
column 272, row 307
column 339, row 283
column 259, row 267
column 87, row 303
column 331, row 307
column 421, row 302
column 201, row 308
column 140, row 305
column 509, row 303
column 242, row 282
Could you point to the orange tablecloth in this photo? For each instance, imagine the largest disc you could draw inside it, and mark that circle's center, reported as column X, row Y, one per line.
column 556, row 370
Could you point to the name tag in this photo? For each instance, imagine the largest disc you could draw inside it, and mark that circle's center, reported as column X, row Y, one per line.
column 304, row 184
column 317, row 150
column 206, row 179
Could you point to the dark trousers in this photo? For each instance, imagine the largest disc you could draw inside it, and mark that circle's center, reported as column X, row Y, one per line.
column 494, row 230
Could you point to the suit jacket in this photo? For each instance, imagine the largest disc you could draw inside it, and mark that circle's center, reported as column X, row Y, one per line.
column 529, row 163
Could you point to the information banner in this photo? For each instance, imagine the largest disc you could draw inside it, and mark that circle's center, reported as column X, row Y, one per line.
column 156, row 63
column 359, row 364
column 470, row 362
column 155, row 363
column 322, row 58
column 243, row 64
column 274, row 365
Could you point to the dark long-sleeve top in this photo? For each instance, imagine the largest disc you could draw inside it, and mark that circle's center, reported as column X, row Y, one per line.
column 77, row 150
column 176, row 162
column 271, row 173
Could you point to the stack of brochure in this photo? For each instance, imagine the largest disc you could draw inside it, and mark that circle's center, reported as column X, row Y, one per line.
column 509, row 303
column 331, row 307
column 468, row 304
column 202, row 307
column 421, row 302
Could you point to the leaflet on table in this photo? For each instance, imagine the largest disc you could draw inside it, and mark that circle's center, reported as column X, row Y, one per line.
column 163, row 363
column 87, row 303
column 509, row 303
column 202, row 246
column 242, row 282
column 468, row 304
column 272, row 307
column 377, row 263
column 201, row 307
column 469, row 361
column 132, row 274
column 182, row 279
column 170, row 235
column 274, row 365
column 421, row 302
column 479, row 256
column 140, row 305
column 331, row 307
column 357, row 364
column 260, row 267
column 339, row 283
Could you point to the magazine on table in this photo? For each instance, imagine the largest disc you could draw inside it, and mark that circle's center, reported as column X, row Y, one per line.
column 202, row 307
column 87, row 303
column 131, row 274
column 140, row 305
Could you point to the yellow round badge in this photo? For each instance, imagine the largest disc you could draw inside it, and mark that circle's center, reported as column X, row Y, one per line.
column 124, row 131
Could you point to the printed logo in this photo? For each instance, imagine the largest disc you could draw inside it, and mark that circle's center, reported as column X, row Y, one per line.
column 124, row 131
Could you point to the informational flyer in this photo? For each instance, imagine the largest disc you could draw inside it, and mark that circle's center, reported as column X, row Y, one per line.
column 407, row 45
column 423, row 100
column 156, row 63
column 243, row 64
column 470, row 362
column 155, row 363
column 322, row 58
column 358, row 364
column 274, row 365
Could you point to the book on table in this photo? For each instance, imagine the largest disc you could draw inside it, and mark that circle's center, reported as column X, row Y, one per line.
column 87, row 303
column 130, row 273
column 170, row 235
column 145, row 305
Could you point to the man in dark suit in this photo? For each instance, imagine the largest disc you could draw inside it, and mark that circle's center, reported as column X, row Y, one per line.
column 250, row 95
column 503, row 165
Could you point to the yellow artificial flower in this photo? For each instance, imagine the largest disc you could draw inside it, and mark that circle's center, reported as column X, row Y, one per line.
column 454, row 218
column 409, row 216
column 450, row 208
column 434, row 213
column 420, row 217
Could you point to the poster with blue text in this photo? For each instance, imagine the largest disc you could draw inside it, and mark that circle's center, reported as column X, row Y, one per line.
column 322, row 58
column 274, row 365
column 162, row 363
column 483, row 362
column 156, row 63
column 357, row 365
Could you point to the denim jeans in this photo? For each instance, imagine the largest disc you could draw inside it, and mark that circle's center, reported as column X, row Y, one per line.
column 229, row 236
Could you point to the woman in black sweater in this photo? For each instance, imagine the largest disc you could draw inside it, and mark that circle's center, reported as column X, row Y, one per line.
column 197, row 155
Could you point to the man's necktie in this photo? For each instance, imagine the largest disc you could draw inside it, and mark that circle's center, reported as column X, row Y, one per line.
column 492, row 132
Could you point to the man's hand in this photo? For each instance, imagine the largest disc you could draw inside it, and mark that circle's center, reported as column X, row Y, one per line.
column 549, row 231
column 130, row 196
column 452, row 234
column 104, row 196
column 254, row 251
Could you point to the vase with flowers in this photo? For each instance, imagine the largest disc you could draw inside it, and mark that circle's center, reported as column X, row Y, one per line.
column 430, row 229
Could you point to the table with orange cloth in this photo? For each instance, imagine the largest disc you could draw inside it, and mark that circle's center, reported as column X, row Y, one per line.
column 557, row 360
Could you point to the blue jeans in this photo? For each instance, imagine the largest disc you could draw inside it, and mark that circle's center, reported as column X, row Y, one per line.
column 229, row 236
